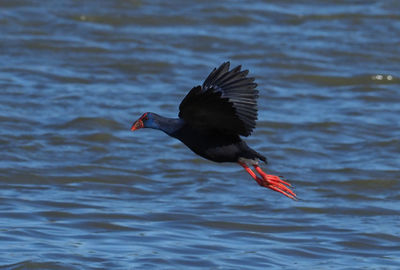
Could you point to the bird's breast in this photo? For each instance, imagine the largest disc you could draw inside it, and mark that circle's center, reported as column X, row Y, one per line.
column 211, row 145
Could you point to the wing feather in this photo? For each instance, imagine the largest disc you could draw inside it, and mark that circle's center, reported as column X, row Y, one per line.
column 226, row 102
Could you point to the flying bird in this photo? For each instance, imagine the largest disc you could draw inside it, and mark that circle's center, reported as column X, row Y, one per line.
column 212, row 119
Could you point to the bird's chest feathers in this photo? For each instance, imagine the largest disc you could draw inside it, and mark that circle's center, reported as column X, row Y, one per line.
column 214, row 146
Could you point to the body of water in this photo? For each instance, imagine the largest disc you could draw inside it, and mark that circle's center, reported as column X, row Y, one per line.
column 78, row 190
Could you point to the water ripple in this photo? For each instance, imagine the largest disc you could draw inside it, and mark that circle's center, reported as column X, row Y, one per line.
column 78, row 190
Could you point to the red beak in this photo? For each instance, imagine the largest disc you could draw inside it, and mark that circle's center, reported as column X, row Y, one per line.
column 137, row 125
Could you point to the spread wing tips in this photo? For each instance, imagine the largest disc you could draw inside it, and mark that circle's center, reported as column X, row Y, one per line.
column 233, row 80
column 216, row 74
column 237, row 89
column 226, row 101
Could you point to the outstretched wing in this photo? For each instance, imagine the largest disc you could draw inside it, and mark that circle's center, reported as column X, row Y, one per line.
column 226, row 102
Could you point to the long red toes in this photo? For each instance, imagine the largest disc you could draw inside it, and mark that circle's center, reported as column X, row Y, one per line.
column 271, row 181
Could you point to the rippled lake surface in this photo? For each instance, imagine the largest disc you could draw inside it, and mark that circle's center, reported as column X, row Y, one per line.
column 78, row 190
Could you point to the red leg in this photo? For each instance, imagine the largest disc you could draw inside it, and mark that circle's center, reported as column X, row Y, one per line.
column 249, row 171
column 270, row 181
column 276, row 182
column 270, row 176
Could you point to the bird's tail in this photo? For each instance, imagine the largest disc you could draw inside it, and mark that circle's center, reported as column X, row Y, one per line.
column 259, row 156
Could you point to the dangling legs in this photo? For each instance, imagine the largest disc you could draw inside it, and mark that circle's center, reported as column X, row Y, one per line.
column 270, row 176
column 249, row 171
column 276, row 181
column 270, row 181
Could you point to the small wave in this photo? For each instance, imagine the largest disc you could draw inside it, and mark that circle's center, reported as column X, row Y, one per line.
column 89, row 123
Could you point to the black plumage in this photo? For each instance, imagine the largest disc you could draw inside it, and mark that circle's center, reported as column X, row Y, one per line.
column 213, row 116
column 216, row 113
column 226, row 102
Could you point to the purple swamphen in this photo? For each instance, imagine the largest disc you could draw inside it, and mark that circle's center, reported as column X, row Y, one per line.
column 212, row 117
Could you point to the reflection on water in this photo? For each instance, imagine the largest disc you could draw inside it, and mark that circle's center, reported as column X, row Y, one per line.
column 78, row 190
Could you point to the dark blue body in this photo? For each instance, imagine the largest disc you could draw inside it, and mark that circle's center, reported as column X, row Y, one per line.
column 212, row 145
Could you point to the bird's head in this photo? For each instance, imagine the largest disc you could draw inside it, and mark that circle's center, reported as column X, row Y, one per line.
column 145, row 121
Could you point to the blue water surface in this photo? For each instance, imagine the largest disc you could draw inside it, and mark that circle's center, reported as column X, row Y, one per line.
column 78, row 190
